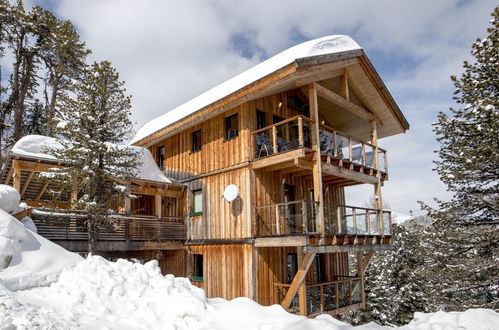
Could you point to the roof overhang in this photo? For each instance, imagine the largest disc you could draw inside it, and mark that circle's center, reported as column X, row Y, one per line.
column 364, row 79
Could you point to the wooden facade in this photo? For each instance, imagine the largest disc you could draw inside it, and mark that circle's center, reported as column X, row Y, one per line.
column 302, row 136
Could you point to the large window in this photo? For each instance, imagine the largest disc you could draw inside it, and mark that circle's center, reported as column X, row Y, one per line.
column 197, row 202
column 160, row 157
column 197, row 268
column 196, row 140
column 231, row 127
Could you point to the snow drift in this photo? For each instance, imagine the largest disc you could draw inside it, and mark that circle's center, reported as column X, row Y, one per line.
column 26, row 258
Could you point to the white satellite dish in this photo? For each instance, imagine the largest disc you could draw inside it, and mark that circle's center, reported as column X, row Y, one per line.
column 231, row 192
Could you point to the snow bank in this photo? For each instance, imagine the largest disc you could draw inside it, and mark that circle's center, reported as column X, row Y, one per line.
column 27, row 259
column 35, row 146
column 326, row 45
column 122, row 295
column 97, row 293
column 9, row 198
column 472, row 319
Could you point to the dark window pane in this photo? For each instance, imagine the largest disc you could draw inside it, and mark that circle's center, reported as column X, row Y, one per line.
column 231, row 127
column 196, row 140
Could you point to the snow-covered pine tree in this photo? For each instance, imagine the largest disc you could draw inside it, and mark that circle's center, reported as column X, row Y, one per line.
column 464, row 264
column 95, row 121
column 394, row 287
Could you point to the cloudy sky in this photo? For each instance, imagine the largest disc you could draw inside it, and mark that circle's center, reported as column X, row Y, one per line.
column 170, row 51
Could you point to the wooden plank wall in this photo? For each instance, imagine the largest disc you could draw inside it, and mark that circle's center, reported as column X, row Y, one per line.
column 216, row 153
column 227, row 269
column 269, row 188
column 272, row 268
column 221, row 219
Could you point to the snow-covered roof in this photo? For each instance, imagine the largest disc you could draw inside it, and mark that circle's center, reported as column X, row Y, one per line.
column 322, row 46
column 34, row 146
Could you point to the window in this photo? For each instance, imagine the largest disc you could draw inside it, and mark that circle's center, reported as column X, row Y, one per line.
column 196, row 140
column 320, row 274
column 197, row 202
column 292, row 266
column 198, row 268
column 261, row 121
column 161, row 157
column 295, row 102
column 231, row 127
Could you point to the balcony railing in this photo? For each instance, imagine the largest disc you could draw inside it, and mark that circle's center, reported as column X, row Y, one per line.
column 347, row 148
column 73, row 226
column 353, row 220
column 290, row 218
column 299, row 217
column 286, row 135
column 324, row 297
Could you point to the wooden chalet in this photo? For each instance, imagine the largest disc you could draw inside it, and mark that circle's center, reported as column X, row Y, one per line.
column 291, row 133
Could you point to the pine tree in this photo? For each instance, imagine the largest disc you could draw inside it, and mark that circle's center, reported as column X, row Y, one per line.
column 394, row 286
column 95, row 121
column 464, row 262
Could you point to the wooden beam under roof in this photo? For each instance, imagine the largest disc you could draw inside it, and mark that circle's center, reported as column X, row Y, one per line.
column 351, row 107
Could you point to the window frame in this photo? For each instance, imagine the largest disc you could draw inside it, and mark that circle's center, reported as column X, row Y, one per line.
column 193, row 193
column 227, row 128
column 161, row 156
column 263, row 115
column 197, row 267
column 196, row 147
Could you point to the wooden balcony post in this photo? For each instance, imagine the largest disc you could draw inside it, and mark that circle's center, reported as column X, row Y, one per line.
column 317, row 162
column 354, row 220
column 350, row 156
column 335, row 145
column 157, row 203
column 338, row 219
column 277, row 224
column 300, row 131
column 304, row 216
column 274, row 139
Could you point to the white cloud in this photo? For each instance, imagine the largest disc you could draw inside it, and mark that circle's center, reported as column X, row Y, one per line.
column 170, row 51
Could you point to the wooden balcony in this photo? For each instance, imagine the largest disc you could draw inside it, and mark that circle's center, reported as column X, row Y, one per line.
column 333, row 297
column 349, row 227
column 69, row 229
column 287, row 147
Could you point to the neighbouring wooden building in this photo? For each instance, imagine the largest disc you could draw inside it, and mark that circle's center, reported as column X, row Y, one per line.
column 291, row 133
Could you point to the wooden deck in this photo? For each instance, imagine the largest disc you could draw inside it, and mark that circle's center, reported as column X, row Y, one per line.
column 123, row 233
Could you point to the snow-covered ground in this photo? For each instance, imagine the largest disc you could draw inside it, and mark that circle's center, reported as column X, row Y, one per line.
column 43, row 286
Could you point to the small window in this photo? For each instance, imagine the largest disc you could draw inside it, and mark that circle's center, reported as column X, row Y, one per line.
column 161, row 157
column 197, row 202
column 231, row 127
column 261, row 121
column 198, row 268
column 196, row 140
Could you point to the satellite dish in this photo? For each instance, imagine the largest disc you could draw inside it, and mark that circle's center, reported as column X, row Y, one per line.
column 231, row 192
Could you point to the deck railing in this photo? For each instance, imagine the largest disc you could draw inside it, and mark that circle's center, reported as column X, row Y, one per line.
column 73, row 226
column 336, row 144
column 299, row 217
column 326, row 296
column 290, row 218
column 354, row 220
column 286, row 135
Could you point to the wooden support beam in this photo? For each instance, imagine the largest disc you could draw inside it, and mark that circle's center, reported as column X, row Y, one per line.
column 26, row 184
column 16, row 175
column 156, row 191
column 303, row 289
column 344, row 93
column 34, row 166
column 42, row 190
column 9, row 175
column 346, row 248
column 317, row 163
column 363, row 262
column 334, row 98
column 303, row 268
column 157, row 202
